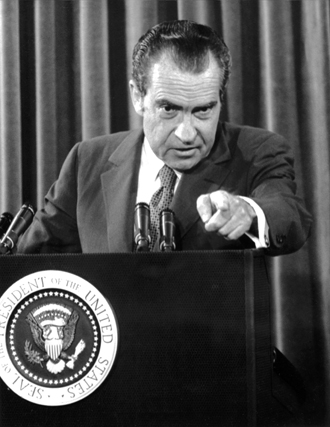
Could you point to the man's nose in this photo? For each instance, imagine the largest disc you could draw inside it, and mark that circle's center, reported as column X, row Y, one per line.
column 186, row 131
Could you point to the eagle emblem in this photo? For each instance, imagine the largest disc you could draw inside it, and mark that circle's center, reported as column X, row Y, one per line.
column 53, row 328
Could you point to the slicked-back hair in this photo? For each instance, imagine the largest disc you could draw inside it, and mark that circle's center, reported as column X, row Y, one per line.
column 189, row 45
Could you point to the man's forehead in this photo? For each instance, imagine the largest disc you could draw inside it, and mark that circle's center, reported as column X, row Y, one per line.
column 165, row 65
column 167, row 79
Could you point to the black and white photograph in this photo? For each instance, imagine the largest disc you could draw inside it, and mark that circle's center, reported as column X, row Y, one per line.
column 165, row 213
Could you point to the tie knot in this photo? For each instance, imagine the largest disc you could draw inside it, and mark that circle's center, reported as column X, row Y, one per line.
column 167, row 177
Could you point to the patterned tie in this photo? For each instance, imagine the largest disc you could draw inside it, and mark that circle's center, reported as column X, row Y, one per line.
column 161, row 199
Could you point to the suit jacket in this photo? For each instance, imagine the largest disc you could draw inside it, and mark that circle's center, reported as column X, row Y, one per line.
column 90, row 208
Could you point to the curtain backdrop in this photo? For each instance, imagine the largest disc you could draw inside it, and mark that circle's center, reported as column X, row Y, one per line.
column 64, row 68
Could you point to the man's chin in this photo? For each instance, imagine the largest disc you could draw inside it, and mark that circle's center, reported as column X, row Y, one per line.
column 186, row 159
column 183, row 165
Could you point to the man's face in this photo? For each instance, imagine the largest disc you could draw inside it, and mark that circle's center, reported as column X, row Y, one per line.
column 180, row 112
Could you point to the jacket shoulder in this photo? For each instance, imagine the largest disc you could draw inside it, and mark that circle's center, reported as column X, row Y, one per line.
column 97, row 151
column 106, row 144
column 251, row 140
column 248, row 133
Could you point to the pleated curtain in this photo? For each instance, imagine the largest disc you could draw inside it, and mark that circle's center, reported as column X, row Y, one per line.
column 64, row 71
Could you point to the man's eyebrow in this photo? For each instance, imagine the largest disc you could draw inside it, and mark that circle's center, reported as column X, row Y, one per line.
column 165, row 101
column 207, row 105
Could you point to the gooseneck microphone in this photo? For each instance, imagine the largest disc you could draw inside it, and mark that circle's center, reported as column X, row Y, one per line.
column 5, row 220
column 17, row 227
column 142, row 237
column 167, row 230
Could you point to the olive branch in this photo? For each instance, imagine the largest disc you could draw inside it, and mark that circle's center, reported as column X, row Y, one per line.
column 32, row 355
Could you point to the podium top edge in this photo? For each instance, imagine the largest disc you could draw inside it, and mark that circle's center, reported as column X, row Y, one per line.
column 226, row 252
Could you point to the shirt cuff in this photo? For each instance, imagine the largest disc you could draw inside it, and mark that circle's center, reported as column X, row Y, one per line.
column 262, row 240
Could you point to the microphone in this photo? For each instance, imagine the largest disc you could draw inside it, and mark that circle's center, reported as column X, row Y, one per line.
column 17, row 227
column 5, row 220
column 167, row 230
column 142, row 237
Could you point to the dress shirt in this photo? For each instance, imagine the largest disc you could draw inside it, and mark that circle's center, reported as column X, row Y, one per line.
column 149, row 183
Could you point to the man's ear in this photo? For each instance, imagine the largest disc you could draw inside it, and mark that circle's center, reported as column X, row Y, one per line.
column 137, row 98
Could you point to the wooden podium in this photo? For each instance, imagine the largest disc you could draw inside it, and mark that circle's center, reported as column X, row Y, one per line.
column 194, row 342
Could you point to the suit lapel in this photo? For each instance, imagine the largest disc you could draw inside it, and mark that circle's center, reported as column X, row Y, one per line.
column 119, row 186
column 207, row 177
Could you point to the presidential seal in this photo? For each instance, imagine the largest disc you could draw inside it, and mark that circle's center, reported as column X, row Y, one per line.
column 58, row 338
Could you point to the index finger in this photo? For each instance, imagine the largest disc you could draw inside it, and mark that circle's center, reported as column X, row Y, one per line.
column 204, row 207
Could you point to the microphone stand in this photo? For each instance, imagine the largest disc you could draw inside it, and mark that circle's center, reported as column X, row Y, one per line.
column 167, row 231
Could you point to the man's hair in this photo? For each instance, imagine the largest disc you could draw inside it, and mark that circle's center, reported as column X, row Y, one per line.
column 188, row 43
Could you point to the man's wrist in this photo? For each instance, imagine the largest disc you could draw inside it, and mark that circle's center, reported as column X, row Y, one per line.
column 259, row 230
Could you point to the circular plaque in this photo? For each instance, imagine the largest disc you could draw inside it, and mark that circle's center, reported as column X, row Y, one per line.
column 58, row 338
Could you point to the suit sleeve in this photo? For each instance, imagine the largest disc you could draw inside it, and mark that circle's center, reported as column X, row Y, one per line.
column 54, row 228
column 273, row 187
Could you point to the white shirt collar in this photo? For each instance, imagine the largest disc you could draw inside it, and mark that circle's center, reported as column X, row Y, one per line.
column 150, row 160
column 148, row 181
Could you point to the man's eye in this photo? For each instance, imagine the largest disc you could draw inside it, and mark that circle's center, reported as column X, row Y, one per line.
column 203, row 111
column 168, row 110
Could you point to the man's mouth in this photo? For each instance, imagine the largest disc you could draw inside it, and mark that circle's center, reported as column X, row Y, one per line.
column 186, row 150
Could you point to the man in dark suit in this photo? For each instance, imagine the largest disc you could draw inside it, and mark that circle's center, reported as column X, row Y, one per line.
column 233, row 186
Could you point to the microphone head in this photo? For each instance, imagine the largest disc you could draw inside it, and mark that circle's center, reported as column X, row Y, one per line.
column 5, row 220
column 167, row 230
column 142, row 227
column 18, row 225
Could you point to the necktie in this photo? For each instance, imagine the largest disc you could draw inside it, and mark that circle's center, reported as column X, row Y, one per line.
column 161, row 199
